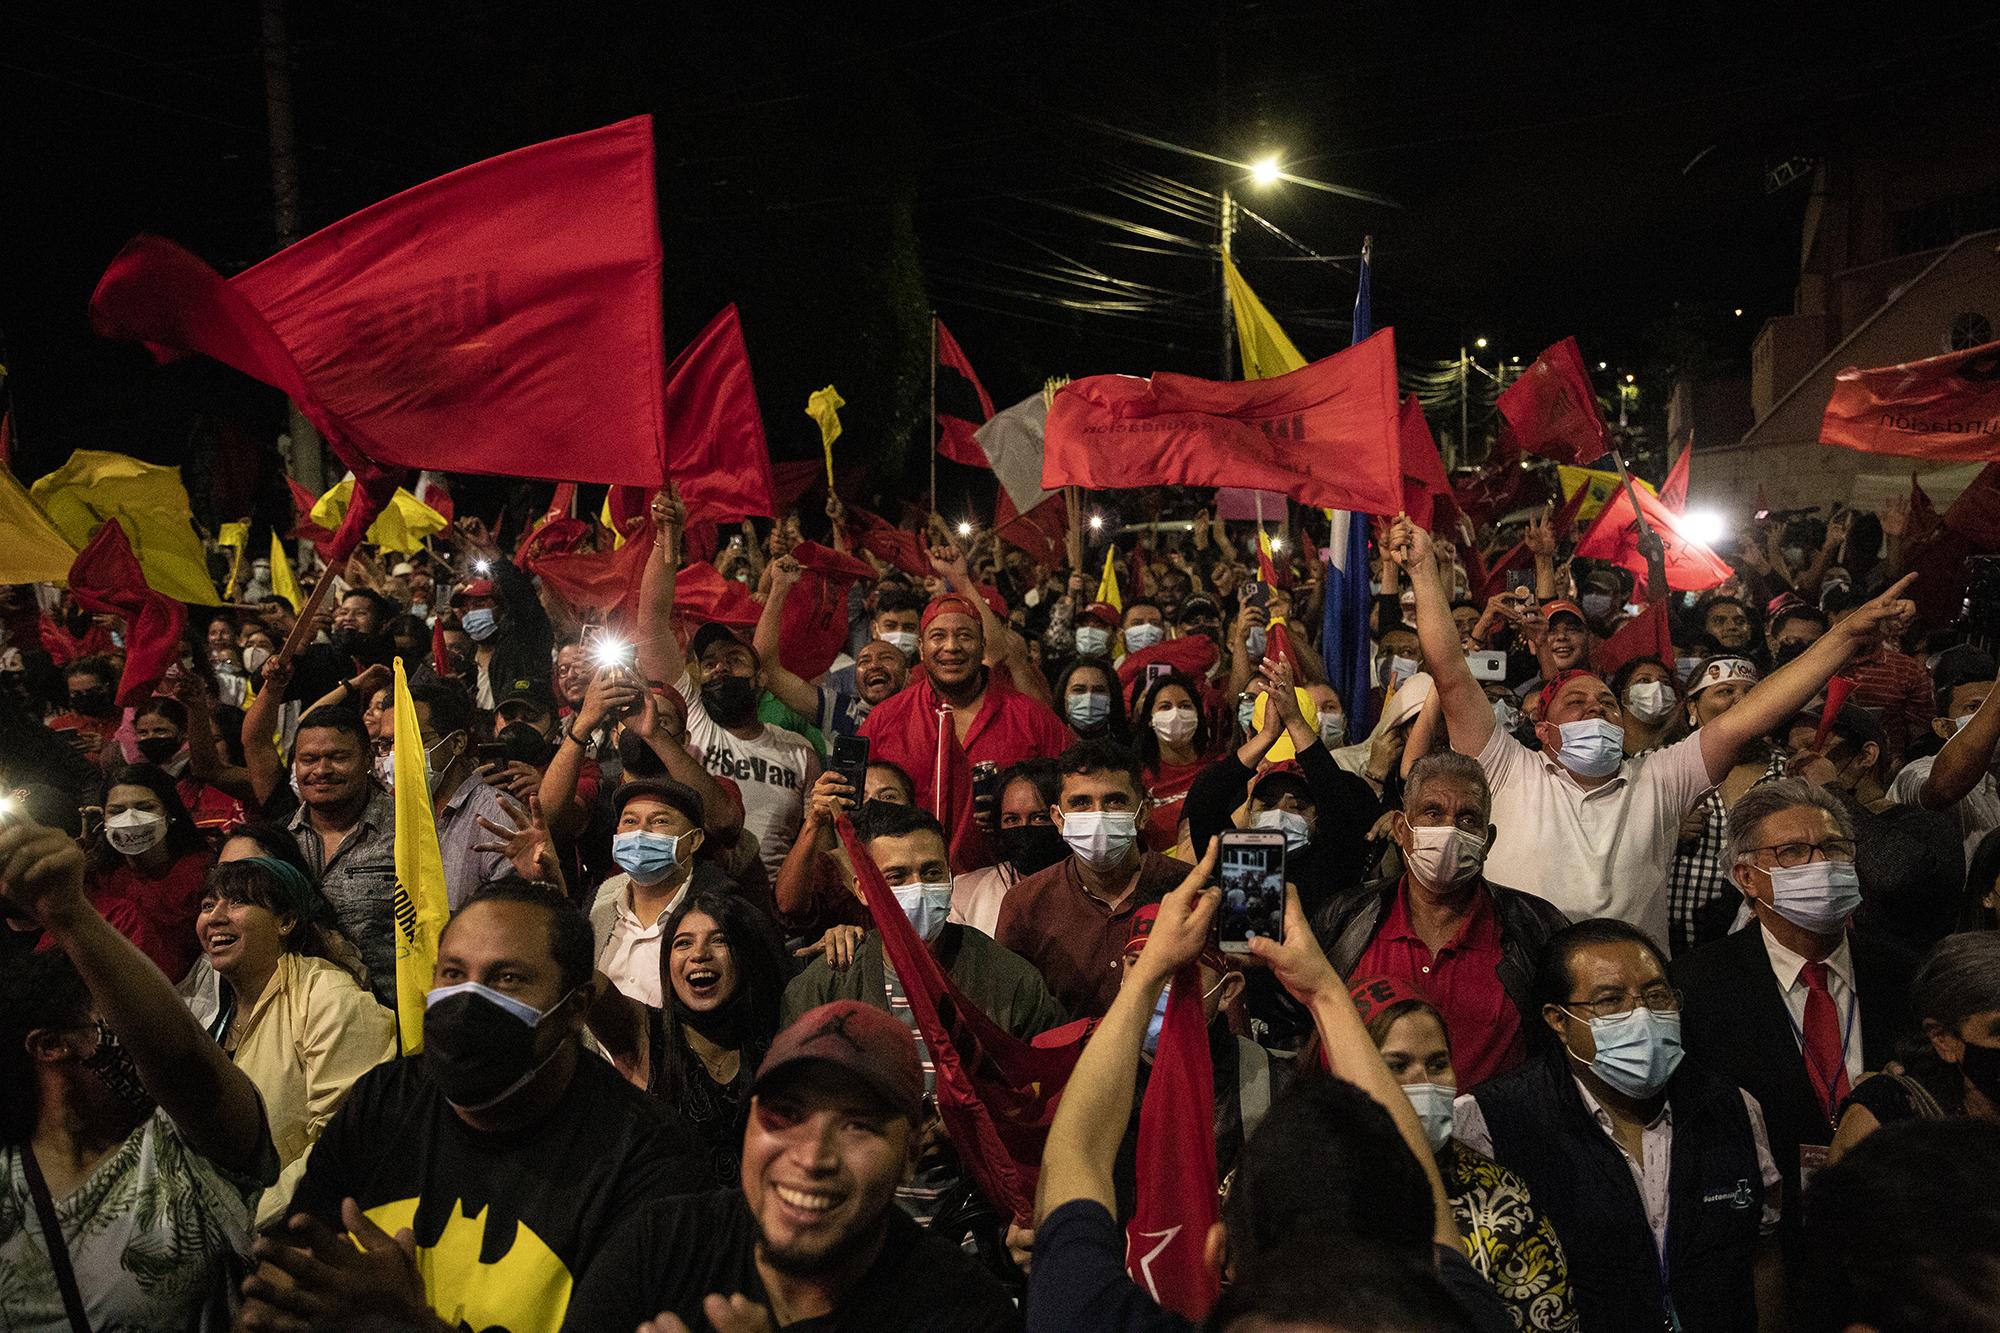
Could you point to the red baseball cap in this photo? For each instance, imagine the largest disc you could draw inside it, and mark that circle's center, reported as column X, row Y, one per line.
column 476, row 588
column 1104, row 613
column 1564, row 606
column 1371, row 995
column 867, row 1042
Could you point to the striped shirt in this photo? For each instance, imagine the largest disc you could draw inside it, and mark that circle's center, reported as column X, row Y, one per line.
column 1896, row 689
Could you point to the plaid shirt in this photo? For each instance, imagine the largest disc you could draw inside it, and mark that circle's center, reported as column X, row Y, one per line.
column 1698, row 876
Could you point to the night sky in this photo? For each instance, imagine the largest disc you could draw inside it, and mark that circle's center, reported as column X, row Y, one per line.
column 837, row 170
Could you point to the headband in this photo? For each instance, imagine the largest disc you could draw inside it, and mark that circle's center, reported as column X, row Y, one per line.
column 1562, row 678
column 1372, row 995
column 951, row 603
column 293, row 886
column 1721, row 670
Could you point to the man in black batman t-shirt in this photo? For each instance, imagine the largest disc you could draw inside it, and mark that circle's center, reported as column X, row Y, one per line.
column 506, row 1151
column 813, row 1236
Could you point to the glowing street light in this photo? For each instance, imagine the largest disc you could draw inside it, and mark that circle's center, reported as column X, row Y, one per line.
column 1265, row 170
column 1604, row 365
column 1277, row 543
column 1479, row 343
column 1629, row 377
column 1739, row 312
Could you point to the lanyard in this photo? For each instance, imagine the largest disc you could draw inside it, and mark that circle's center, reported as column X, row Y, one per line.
column 1846, row 1041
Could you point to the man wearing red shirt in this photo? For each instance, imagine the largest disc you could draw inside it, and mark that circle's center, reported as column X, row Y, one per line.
column 1467, row 946
column 996, row 723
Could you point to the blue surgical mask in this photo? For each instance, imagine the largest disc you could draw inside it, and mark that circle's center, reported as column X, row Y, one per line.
column 1156, row 1022
column 1092, row 641
column 1142, row 635
column 926, row 905
column 1332, row 728
column 1596, row 605
column 1592, row 747
column 647, row 857
column 481, row 623
column 1297, row 832
column 1087, row 710
column 1432, row 1103
column 1246, row 714
column 1818, row 896
column 1637, row 1052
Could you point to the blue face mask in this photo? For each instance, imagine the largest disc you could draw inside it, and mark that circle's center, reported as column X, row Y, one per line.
column 1592, row 747
column 647, row 857
column 1087, row 710
column 1156, row 1022
column 1432, row 1103
column 926, row 905
column 481, row 623
column 1637, row 1052
column 1092, row 641
column 1246, row 714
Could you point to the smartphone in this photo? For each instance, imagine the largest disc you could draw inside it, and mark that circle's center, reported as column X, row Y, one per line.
column 1255, row 594
column 1155, row 671
column 1251, row 875
column 1487, row 665
column 1520, row 580
column 494, row 753
column 850, row 761
column 986, row 794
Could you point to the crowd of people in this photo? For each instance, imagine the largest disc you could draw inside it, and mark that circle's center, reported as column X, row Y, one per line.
column 1616, row 988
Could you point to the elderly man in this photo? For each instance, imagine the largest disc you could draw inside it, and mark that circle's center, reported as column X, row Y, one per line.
column 1466, row 945
column 1589, row 829
column 1796, row 1008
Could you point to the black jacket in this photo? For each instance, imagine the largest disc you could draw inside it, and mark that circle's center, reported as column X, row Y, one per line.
column 1347, row 924
column 1578, row 1178
column 1344, row 805
column 525, row 646
column 1733, row 1013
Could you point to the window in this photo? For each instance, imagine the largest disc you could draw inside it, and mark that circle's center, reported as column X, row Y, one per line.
column 1970, row 329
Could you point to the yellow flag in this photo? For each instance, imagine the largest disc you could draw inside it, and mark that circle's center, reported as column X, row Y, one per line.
column 148, row 502
column 1265, row 349
column 31, row 549
column 608, row 523
column 421, row 908
column 235, row 536
column 283, row 582
column 824, row 407
column 1603, row 485
column 401, row 527
column 1107, row 587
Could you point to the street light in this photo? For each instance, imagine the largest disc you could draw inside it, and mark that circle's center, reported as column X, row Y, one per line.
column 1480, row 343
column 1628, row 377
column 1604, row 365
column 1277, row 543
column 1265, row 170
column 1096, row 522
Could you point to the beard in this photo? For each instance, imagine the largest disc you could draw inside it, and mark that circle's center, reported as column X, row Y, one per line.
column 818, row 1260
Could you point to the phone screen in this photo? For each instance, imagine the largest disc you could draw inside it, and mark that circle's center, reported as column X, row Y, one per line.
column 494, row 754
column 1251, row 875
column 850, row 761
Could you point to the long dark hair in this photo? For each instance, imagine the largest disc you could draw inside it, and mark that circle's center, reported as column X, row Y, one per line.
column 182, row 836
column 1114, row 721
column 1980, row 877
column 758, row 953
column 1146, row 741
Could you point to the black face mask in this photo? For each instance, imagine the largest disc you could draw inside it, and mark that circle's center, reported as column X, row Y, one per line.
column 730, row 700
column 524, row 744
column 480, row 1052
column 112, row 1063
column 91, row 703
column 1788, row 652
column 638, row 758
column 1981, row 1066
column 158, row 749
column 1032, row 847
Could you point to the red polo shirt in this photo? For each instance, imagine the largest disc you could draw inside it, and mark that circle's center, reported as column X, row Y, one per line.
column 1009, row 727
column 1462, row 980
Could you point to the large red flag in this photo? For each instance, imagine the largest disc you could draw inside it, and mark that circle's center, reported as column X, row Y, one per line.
column 887, row 542
column 963, row 405
column 105, row 577
column 996, row 1093
column 1691, row 566
column 701, row 593
column 305, row 529
column 715, row 436
column 951, row 797
column 1644, row 635
column 606, row 581
column 814, row 626
column 1424, row 482
column 1165, row 1240
column 1975, row 514
column 1552, row 410
column 1325, row 434
column 1674, row 490
column 1945, row 408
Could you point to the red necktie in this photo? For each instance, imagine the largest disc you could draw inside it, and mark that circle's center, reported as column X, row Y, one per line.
column 1826, row 1063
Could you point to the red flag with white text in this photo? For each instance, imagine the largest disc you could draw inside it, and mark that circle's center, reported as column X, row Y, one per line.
column 1944, row 408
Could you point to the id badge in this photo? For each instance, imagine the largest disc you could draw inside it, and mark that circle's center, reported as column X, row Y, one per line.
column 1812, row 1158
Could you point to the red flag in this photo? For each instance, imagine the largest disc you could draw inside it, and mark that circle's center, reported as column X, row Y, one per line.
column 1945, row 408
column 1644, row 635
column 1492, row 491
column 897, row 546
column 996, row 1093
column 105, row 577
column 814, row 625
column 1424, row 483
column 432, row 490
column 1193, row 655
column 1040, row 532
column 1924, row 521
column 701, row 593
column 598, row 580
column 1563, row 521
column 1837, row 690
column 1552, row 410
column 1165, row 1239
column 1691, row 566
column 960, row 398
column 305, row 529
column 715, row 435
column 1674, row 490
column 1325, row 434
column 951, row 795
column 1495, row 582
column 1975, row 514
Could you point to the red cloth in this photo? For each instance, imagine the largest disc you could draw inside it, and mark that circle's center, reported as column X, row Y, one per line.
column 1192, row 656
column 1039, row 533
column 1975, row 514
column 213, row 810
column 1495, row 489
column 887, row 542
column 1424, row 484
column 1552, row 410
column 64, row 647
column 1674, row 490
column 951, row 797
column 1325, row 434
column 1837, row 691
column 1462, row 980
column 955, row 433
column 1691, row 566
column 1945, row 408
column 715, row 436
column 156, row 914
column 1826, row 1062
column 106, row 577
column 1924, row 520
column 1165, row 1240
column 1008, row 728
column 1896, row 688
column 600, row 580
column 814, row 625
column 701, row 593
column 1166, row 792
column 1644, row 635
column 996, row 1093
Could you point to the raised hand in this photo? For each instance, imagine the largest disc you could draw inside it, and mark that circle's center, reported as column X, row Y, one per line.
column 786, row 571
column 1884, row 617
column 1540, row 538
column 1181, row 929
column 527, row 846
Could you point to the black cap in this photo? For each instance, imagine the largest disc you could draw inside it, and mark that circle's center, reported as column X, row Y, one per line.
column 525, row 690
column 1198, row 607
column 665, row 790
column 714, row 632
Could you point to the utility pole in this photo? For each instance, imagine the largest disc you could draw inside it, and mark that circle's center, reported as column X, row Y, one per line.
column 1464, row 446
column 1226, row 225
column 308, row 459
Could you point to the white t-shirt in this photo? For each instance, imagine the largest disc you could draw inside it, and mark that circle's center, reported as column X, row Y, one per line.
column 772, row 771
column 1978, row 810
column 1603, row 852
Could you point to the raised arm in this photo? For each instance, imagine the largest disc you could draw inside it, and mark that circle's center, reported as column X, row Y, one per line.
column 261, row 760
column 609, row 692
column 1468, row 717
column 1780, row 695
column 1965, row 758
column 204, row 764
column 212, row 1103
column 792, row 692
column 658, row 651
column 665, row 733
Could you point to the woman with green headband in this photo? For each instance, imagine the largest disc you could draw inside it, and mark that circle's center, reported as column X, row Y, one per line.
column 270, row 988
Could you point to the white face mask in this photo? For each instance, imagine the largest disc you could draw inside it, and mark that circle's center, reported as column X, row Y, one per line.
column 1818, row 896
column 1174, row 725
column 1443, row 856
column 254, row 658
column 926, row 905
column 1142, row 635
column 1332, row 728
column 1432, row 1103
column 1092, row 641
column 1297, row 832
column 1100, row 837
column 1650, row 700
column 902, row 640
column 135, row 832
column 1592, row 747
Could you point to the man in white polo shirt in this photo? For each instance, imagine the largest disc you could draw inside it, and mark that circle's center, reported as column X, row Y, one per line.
column 1586, row 828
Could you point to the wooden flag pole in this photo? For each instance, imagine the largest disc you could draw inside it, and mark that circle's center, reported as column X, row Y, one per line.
column 1625, row 477
column 302, row 630
column 934, row 425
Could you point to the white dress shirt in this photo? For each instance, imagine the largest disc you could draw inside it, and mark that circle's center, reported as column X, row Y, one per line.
column 631, row 956
column 1788, row 967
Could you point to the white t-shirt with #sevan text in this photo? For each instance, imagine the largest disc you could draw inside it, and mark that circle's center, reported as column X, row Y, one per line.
column 773, row 770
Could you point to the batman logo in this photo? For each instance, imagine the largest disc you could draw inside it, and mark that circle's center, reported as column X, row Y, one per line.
column 523, row 1289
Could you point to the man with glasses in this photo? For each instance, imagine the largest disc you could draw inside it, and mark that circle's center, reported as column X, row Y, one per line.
column 1795, row 1008
column 1656, row 1169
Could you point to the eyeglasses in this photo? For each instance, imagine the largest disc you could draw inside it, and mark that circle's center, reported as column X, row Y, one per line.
column 1790, row 854
column 1661, row 999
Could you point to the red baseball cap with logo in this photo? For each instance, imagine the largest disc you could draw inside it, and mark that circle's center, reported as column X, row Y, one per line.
column 1372, row 995
column 875, row 1047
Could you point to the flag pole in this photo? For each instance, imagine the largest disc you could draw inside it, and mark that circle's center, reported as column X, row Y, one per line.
column 1625, row 477
column 302, row 628
column 934, row 428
